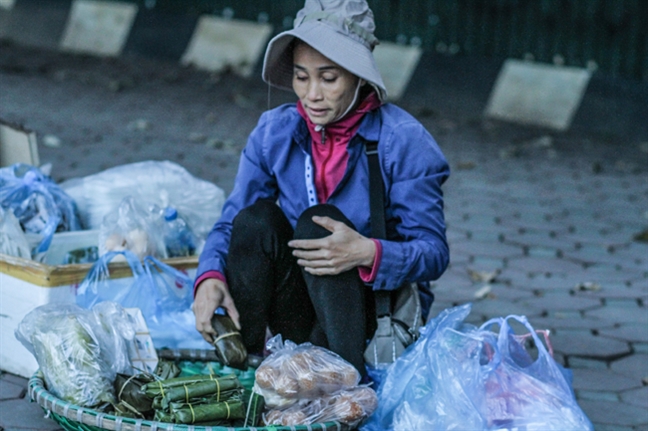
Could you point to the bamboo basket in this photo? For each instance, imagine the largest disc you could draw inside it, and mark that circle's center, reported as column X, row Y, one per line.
column 76, row 418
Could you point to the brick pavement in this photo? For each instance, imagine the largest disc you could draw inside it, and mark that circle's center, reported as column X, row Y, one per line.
column 553, row 222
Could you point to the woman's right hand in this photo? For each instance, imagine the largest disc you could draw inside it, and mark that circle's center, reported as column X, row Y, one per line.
column 211, row 294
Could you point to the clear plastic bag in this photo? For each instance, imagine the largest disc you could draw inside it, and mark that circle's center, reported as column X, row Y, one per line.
column 348, row 406
column 457, row 376
column 40, row 205
column 163, row 294
column 79, row 351
column 12, row 238
column 132, row 227
column 164, row 184
column 301, row 372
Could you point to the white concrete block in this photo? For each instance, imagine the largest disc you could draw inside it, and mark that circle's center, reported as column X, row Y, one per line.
column 98, row 27
column 7, row 4
column 396, row 64
column 537, row 94
column 218, row 44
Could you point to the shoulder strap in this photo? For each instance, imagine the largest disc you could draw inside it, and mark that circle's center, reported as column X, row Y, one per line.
column 377, row 213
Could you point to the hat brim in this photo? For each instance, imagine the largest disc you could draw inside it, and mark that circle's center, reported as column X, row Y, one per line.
column 343, row 50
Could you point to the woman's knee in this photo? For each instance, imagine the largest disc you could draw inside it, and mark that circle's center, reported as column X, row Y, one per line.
column 307, row 229
column 260, row 217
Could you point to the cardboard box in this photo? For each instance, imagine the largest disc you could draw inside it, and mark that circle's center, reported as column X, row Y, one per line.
column 26, row 284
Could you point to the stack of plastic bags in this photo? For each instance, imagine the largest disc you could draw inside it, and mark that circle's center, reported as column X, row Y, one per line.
column 39, row 204
column 460, row 377
column 134, row 206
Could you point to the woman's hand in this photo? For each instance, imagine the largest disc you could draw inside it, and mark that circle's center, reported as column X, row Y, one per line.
column 211, row 294
column 342, row 250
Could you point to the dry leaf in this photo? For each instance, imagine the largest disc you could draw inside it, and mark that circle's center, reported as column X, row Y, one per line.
column 483, row 291
column 484, row 276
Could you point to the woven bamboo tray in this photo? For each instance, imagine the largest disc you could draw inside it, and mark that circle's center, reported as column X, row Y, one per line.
column 75, row 418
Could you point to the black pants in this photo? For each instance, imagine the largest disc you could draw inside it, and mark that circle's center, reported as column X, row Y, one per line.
column 271, row 290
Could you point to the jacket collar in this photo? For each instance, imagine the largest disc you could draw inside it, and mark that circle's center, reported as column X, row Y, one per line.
column 369, row 129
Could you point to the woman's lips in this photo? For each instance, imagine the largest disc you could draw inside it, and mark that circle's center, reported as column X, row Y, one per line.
column 317, row 112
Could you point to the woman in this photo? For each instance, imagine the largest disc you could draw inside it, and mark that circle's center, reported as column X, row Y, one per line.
column 292, row 251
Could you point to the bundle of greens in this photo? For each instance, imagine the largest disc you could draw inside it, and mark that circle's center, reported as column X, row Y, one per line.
column 78, row 351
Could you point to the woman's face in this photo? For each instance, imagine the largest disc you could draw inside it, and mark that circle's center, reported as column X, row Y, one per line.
column 324, row 88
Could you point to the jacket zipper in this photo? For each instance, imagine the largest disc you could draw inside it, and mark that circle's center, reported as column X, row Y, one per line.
column 322, row 172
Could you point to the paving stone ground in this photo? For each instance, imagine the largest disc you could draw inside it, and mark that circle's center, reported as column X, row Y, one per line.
column 546, row 220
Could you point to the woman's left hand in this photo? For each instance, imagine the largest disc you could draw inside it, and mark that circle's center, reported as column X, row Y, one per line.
column 342, row 250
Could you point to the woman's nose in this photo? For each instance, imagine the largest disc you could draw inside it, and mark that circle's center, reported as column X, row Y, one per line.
column 314, row 91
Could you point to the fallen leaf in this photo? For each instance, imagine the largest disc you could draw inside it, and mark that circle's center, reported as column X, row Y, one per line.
column 51, row 141
column 197, row 137
column 641, row 236
column 483, row 276
column 483, row 291
column 140, row 125
column 589, row 285
column 466, row 165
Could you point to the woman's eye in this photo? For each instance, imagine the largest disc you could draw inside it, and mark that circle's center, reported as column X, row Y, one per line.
column 301, row 77
column 329, row 78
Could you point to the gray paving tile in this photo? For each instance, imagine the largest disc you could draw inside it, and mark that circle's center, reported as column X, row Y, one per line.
column 560, row 300
column 455, row 294
column 487, row 249
column 607, row 427
column 602, row 380
column 500, row 308
column 591, row 364
column 640, row 347
column 634, row 366
column 488, row 264
column 505, row 292
column 9, row 390
column 614, row 413
column 25, row 415
column 636, row 397
column 16, row 380
column 540, row 265
column 631, row 333
column 550, row 239
column 597, row 395
column 629, row 314
column 583, row 343
column 616, row 290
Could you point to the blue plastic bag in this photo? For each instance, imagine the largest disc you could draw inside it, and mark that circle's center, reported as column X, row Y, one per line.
column 40, row 205
column 458, row 376
column 163, row 294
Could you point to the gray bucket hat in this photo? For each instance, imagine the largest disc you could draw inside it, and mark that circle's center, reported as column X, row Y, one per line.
column 341, row 30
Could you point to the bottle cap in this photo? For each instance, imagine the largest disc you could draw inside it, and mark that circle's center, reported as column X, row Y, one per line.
column 170, row 214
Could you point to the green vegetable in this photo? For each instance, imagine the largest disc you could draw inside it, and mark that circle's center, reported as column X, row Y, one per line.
column 70, row 359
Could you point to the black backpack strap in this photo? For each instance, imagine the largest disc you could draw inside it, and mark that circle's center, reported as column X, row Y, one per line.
column 377, row 213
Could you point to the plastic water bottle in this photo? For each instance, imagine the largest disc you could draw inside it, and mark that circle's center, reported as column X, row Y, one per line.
column 178, row 238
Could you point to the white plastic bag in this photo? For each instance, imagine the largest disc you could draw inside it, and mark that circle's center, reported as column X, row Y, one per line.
column 40, row 205
column 457, row 376
column 79, row 351
column 131, row 227
column 164, row 184
column 12, row 238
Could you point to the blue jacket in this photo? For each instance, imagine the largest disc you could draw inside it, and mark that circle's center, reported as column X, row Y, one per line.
column 276, row 164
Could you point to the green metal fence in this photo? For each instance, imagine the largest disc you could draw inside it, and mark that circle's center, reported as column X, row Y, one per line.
column 611, row 34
